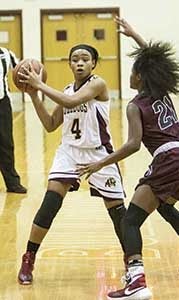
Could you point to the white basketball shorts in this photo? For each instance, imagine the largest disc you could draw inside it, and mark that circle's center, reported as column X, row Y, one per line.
column 107, row 182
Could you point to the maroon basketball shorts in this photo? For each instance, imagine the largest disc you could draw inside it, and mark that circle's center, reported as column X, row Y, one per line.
column 163, row 175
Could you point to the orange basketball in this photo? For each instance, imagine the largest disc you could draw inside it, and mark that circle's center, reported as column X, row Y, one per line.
column 24, row 87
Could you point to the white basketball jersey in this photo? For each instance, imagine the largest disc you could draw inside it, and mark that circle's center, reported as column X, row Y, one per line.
column 86, row 125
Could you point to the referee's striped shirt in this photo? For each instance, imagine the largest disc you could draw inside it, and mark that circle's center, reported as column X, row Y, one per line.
column 8, row 60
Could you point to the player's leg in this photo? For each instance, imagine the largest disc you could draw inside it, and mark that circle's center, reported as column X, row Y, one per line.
column 50, row 206
column 170, row 214
column 162, row 165
column 116, row 211
column 142, row 204
column 7, row 164
column 108, row 184
column 60, row 181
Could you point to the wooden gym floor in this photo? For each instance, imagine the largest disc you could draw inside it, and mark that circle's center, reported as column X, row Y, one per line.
column 80, row 258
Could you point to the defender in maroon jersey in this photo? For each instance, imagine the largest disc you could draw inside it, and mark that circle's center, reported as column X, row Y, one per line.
column 160, row 136
column 152, row 120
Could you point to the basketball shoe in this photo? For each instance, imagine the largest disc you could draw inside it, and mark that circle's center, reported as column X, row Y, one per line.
column 17, row 188
column 25, row 274
column 135, row 288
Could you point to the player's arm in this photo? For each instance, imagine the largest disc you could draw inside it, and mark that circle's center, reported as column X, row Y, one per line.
column 49, row 121
column 128, row 30
column 131, row 146
column 96, row 88
column 134, row 137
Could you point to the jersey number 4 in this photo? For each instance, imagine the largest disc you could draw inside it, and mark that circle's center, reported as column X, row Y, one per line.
column 75, row 129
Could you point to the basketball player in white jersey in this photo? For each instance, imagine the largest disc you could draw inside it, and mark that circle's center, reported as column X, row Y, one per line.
column 83, row 109
column 84, row 113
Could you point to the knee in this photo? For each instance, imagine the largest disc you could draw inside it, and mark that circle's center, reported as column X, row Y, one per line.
column 166, row 211
column 135, row 216
column 50, row 206
column 117, row 212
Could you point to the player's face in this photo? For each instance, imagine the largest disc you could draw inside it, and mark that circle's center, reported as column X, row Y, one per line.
column 81, row 63
column 135, row 80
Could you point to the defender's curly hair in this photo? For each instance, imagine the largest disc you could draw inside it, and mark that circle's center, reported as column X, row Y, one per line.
column 158, row 68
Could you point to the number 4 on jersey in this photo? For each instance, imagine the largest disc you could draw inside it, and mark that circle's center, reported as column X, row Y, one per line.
column 75, row 129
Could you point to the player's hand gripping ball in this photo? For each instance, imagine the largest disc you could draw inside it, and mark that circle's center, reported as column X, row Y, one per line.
column 37, row 66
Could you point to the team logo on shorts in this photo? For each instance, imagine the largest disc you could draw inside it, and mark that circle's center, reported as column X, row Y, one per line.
column 110, row 182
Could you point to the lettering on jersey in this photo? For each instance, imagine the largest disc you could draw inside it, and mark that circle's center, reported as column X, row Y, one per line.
column 166, row 113
column 81, row 108
column 110, row 182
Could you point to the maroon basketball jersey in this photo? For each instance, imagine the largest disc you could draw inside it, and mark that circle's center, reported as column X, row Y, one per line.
column 159, row 120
